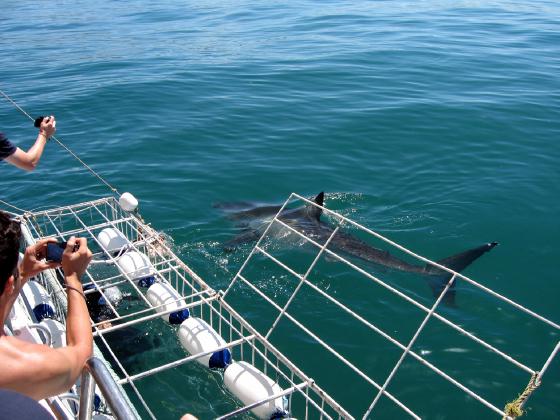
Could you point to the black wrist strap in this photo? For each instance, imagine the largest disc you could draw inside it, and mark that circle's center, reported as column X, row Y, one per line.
column 76, row 290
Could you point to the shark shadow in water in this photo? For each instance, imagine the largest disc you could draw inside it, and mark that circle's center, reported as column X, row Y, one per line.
column 307, row 220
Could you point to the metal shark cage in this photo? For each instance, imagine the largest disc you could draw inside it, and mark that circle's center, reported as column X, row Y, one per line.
column 258, row 340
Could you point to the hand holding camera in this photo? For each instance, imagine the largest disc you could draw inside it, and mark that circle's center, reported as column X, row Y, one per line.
column 55, row 251
column 46, row 125
column 32, row 263
column 75, row 257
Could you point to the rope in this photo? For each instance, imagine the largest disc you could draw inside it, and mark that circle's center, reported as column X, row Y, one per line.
column 24, row 213
column 514, row 409
column 113, row 189
column 14, row 207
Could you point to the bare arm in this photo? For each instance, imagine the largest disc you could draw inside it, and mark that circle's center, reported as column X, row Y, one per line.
column 78, row 327
column 35, row 370
column 40, row 371
column 29, row 160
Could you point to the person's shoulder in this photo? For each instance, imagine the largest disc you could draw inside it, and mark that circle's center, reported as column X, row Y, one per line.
column 10, row 344
column 29, row 360
column 16, row 349
column 28, row 367
column 15, row 357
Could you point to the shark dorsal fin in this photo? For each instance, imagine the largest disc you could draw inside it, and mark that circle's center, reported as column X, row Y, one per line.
column 315, row 212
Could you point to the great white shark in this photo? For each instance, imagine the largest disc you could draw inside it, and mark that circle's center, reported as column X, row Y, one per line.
column 307, row 220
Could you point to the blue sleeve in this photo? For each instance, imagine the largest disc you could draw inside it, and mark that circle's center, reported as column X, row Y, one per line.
column 6, row 147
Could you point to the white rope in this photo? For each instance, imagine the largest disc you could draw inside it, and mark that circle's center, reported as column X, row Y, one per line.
column 22, row 211
column 85, row 165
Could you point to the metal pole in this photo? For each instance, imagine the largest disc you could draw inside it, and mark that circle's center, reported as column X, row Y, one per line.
column 113, row 394
column 87, row 392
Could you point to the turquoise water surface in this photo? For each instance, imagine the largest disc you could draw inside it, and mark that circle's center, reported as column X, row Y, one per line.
column 434, row 123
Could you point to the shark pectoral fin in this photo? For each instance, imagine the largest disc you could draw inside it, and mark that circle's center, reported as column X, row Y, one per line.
column 233, row 205
column 247, row 236
column 255, row 213
column 438, row 283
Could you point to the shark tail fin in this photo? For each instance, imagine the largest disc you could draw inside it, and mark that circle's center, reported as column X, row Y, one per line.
column 458, row 263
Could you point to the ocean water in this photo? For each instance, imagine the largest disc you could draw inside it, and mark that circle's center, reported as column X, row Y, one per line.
column 434, row 123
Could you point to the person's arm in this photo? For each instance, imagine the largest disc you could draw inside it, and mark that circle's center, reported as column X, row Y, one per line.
column 40, row 371
column 78, row 327
column 29, row 160
column 36, row 370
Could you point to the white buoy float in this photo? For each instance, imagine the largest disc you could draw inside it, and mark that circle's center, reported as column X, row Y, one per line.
column 39, row 300
column 164, row 294
column 197, row 336
column 58, row 332
column 138, row 267
column 128, row 202
column 112, row 240
column 250, row 385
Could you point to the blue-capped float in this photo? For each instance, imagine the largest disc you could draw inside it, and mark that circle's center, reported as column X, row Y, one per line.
column 250, row 385
column 164, row 294
column 197, row 336
column 39, row 300
column 137, row 267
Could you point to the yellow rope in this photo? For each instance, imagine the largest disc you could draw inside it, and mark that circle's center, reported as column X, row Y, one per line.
column 514, row 409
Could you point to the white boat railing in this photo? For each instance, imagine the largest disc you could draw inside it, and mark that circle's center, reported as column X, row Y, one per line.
column 96, row 373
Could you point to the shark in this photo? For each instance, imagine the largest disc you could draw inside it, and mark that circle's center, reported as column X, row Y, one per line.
column 307, row 220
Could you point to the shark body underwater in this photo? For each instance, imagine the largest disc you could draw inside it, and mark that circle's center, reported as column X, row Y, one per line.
column 307, row 220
